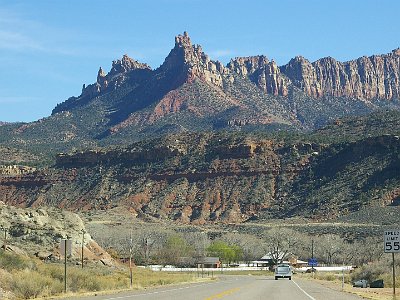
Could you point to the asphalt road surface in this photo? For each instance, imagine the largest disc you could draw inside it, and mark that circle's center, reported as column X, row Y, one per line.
column 235, row 288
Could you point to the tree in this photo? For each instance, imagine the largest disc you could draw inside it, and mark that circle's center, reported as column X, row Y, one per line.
column 174, row 249
column 199, row 241
column 330, row 248
column 252, row 248
column 148, row 242
column 280, row 242
column 226, row 253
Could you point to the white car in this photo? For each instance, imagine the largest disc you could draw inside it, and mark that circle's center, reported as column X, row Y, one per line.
column 283, row 271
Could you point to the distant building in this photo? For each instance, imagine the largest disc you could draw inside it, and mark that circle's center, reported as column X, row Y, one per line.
column 209, row 262
column 269, row 260
column 199, row 262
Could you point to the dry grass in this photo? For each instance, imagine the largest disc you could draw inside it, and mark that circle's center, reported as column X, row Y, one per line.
column 334, row 281
column 29, row 278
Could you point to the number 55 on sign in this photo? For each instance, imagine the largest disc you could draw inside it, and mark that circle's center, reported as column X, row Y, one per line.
column 392, row 241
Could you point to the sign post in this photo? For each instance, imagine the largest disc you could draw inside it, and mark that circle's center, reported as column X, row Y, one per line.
column 392, row 245
column 312, row 262
column 66, row 249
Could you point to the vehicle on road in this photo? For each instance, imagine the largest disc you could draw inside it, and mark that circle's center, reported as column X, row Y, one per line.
column 360, row 283
column 283, row 271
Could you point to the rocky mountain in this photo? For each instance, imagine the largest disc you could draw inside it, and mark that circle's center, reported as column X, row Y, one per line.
column 190, row 92
column 196, row 141
column 366, row 78
column 226, row 177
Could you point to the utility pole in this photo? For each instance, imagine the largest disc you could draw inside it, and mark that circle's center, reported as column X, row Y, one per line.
column 147, row 250
column 343, row 276
column 130, row 259
column 394, row 277
column 65, row 266
column 312, row 256
column 65, row 249
column 312, row 249
column 83, row 243
column 204, row 255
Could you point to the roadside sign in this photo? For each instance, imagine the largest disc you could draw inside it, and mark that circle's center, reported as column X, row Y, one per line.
column 66, row 247
column 392, row 241
column 312, row 262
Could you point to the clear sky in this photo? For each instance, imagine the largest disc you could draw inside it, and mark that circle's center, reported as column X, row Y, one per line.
column 49, row 48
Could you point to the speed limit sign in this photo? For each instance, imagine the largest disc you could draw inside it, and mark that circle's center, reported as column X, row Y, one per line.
column 392, row 241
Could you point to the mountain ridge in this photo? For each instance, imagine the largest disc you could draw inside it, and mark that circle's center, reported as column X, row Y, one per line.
column 190, row 92
column 373, row 77
column 365, row 81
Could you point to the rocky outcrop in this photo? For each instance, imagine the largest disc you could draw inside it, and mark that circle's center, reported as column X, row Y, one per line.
column 368, row 78
column 91, row 157
column 116, row 77
column 15, row 170
column 39, row 231
column 189, row 62
column 264, row 73
column 121, row 71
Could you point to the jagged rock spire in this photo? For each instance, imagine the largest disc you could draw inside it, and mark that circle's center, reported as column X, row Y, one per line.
column 188, row 62
column 183, row 40
column 100, row 75
column 126, row 64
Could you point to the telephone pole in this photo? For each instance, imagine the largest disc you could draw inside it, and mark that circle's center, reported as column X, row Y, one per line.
column 83, row 243
column 130, row 259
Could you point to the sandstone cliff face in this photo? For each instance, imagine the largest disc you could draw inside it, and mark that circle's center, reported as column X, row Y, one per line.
column 264, row 73
column 369, row 78
column 366, row 78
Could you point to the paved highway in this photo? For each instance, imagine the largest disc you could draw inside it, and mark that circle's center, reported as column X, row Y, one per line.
column 236, row 288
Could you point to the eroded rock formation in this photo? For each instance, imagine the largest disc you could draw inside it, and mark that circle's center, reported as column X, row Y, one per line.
column 39, row 231
column 266, row 74
column 369, row 78
column 191, row 62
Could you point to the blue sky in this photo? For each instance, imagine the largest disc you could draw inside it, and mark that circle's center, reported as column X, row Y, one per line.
column 48, row 49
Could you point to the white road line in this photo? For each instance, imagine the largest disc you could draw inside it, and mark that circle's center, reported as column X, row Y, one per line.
column 160, row 292
column 308, row 295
